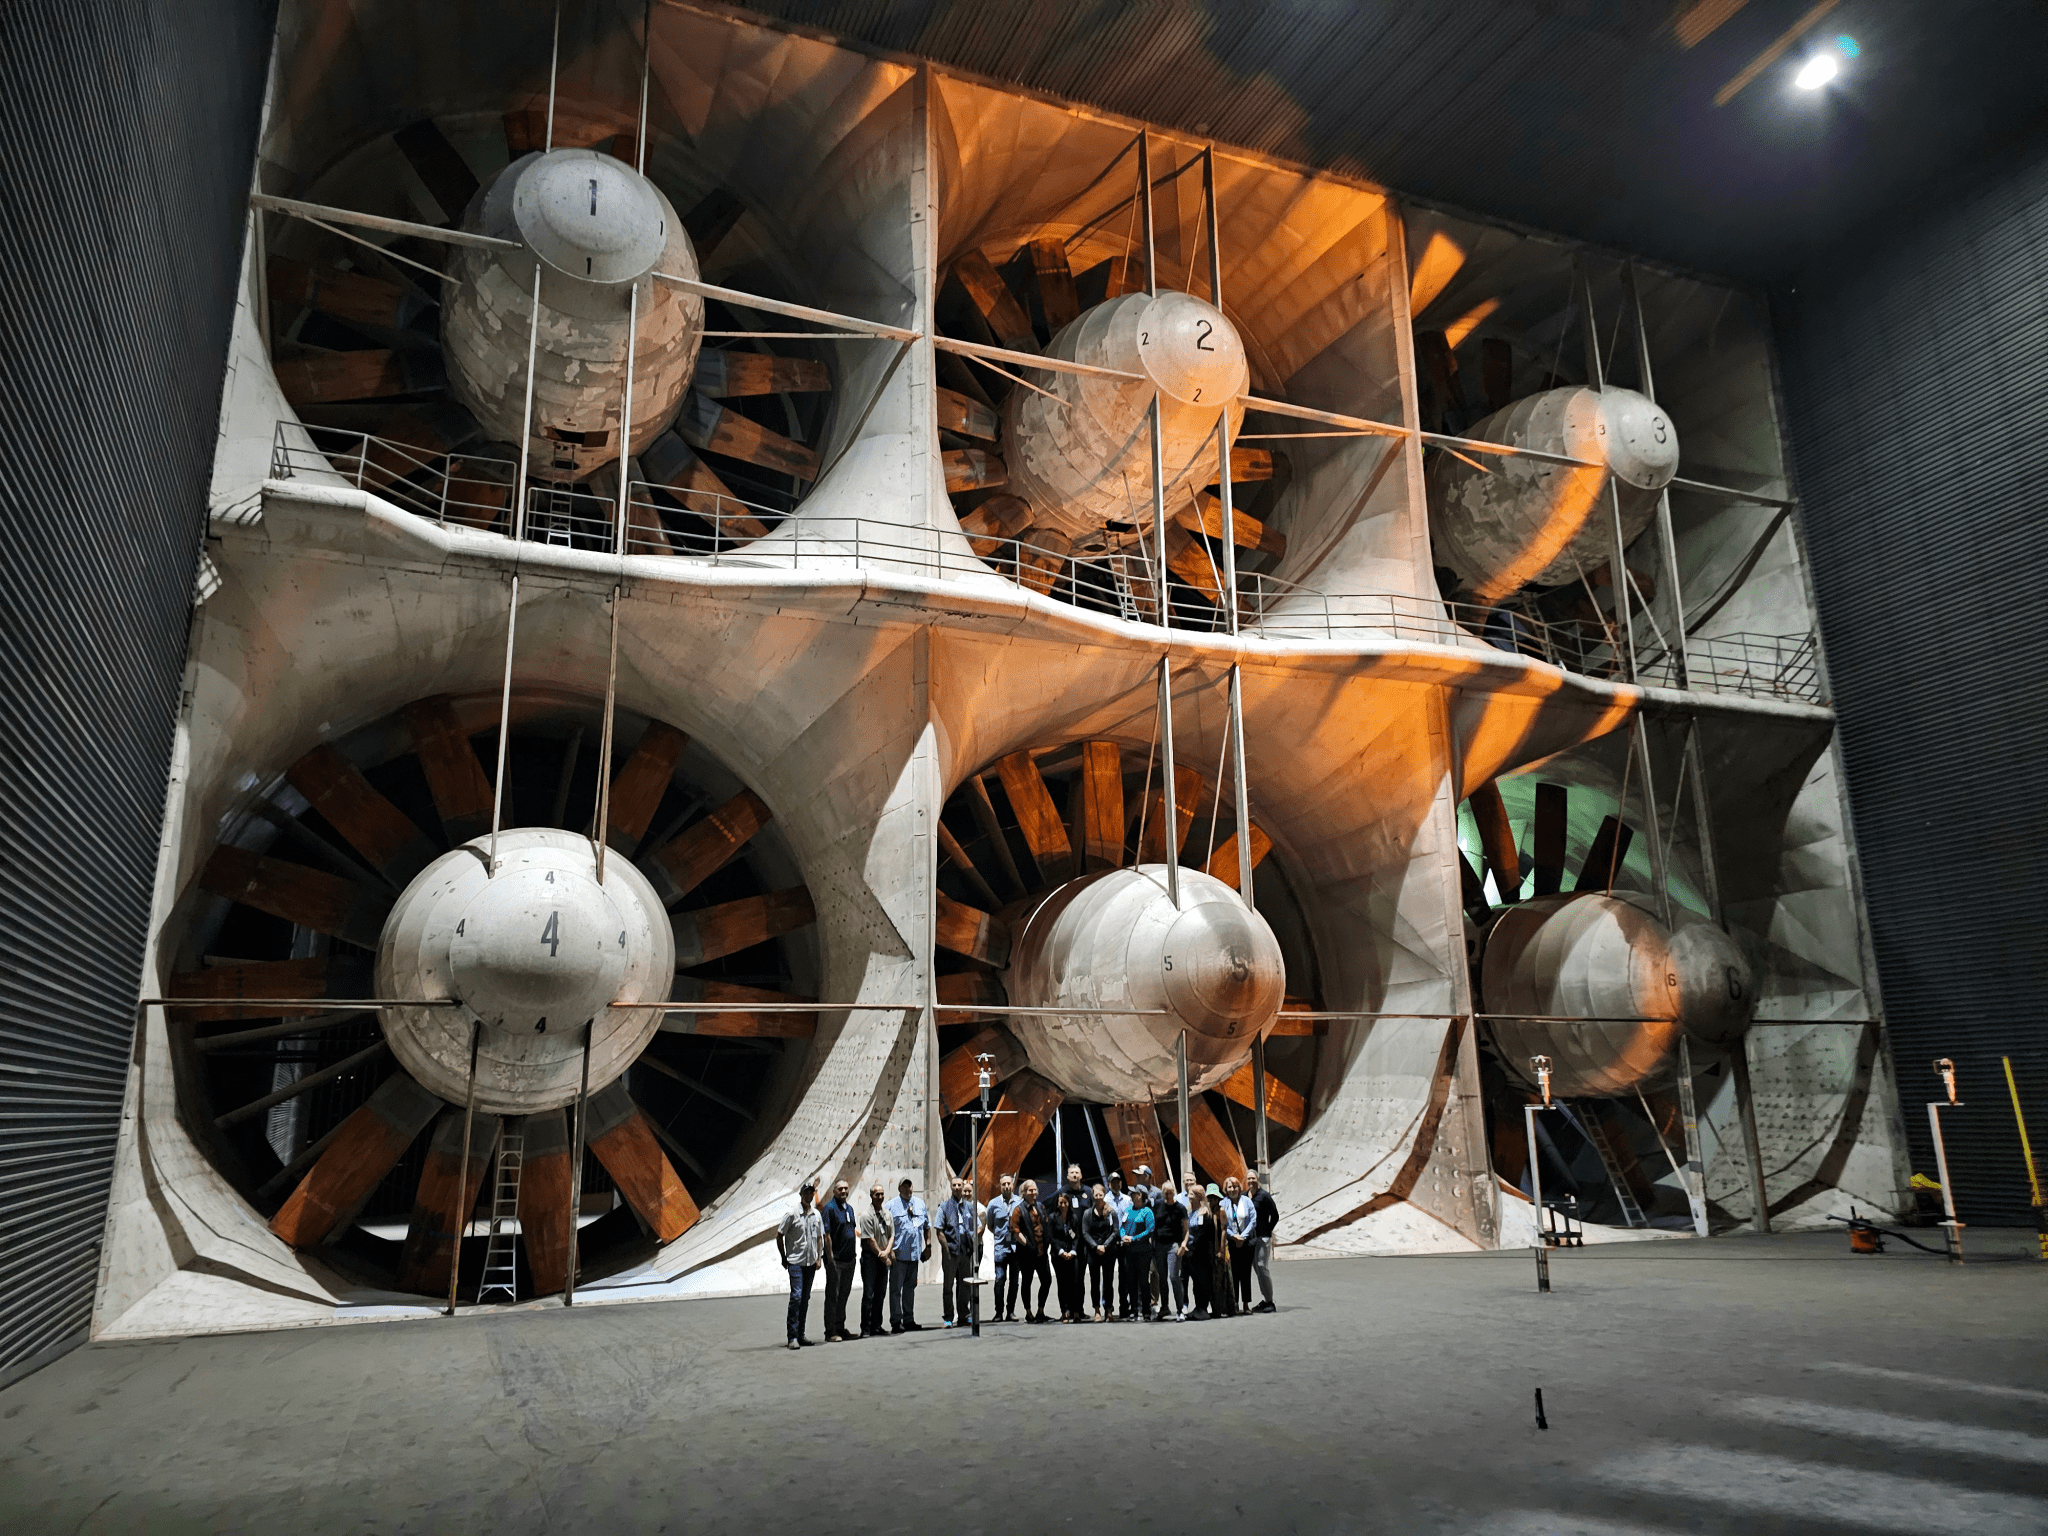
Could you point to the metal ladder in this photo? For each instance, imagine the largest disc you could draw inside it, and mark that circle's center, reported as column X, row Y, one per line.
column 1589, row 1126
column 501, row 1255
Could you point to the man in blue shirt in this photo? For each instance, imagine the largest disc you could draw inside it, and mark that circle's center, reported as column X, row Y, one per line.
column 959, row 1251
column 842, row 1254
column 999, row 1209
column 910, row 1226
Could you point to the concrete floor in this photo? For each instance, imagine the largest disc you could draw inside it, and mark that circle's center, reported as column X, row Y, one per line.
column 1754, row 1385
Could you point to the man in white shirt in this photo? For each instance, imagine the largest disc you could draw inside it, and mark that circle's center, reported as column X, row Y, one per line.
column 909, row 1226
column 800, row 1239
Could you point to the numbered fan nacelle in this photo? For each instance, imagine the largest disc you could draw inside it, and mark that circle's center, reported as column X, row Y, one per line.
column 1081, row 453
column 532, row 954
column 1114, row 941
column 1521, row 522
column 596, row 229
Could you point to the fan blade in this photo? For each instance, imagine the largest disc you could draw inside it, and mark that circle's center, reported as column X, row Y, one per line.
column 715, row 932
column 1187, row 789
column 711, row 428
column 1037, row 817
column 970, row 418
column 972, row 469
column 729, row 374
column 367, row 1146
column 1438, row 369
column 378, row 830
column 996, row 520
column 1055, row 280
column 1102, row 806
column 327, row 904
column 670, row 463
column 1215, row 1150
column 645, row 533
column 354, row 298
column 1223, row 863
column 1291, row 1021
column 711, row 220
column 1549, row 841
column 462, row 793
column 544, row 1190
column 992, row 829
column 1496, row 373
column 949, row 847
column 686, row 861
column 1189, row 559
column 1206, row 516
column 479, row 492
column 1605, row 858
column 1134, row 1131
column 1247, row 464
column 1041, row 556
column 439, row 165
column 410, row 437
column 960, row 1073
column 1472, row 889
column 1283, row 1105
column 974, row 934
column 331, row 976
column 1021, row 1116
column 576, row 125
column 959, row 992
column 621, row 1139
column 1107, row 279
column 738, row 1024
column 1497, row 839
column 638, row 787
column 998, row 306
column 445, row 1201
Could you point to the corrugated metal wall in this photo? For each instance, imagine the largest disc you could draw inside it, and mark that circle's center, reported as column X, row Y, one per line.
column 128, row 129
column 1916, row 374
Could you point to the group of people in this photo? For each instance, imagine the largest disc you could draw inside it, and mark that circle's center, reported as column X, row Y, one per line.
column 1113, row 1254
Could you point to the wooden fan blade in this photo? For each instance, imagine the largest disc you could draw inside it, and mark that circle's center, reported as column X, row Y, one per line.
column 1605, row 858
column 1214, row 1150
column 1496, row 373
column 730, row 374
column 996, row 520
column 1471, row 888
column 1250, row 464
column 327, row 904
column 1107, row 279
column 977, row 935
column 972, row 469
column 671, row 464
column 378, row 830
column 412, row 437
column 1223, row 863
column 1187, row 789
column 445, row 1200
column 740, row 1023
column 998, row 306
column 334, row 975
column 1041, row 556
column 461, row 791
column 1055, row 279
column 1037, row 817
column 638, row 787
column 1552, row 804
column 1134, row 1131
column 577, row 126
column 309, row 377
column 960, row 1073
column 1206, row 516
column 949, row 847
column 439, row 165
column 1291, row 1021
column 711, row 220
column 1030, row 1100
column 1439, row 373
column 976, row 789
column 622, row 1140
column 544, row 1194
column 355, row 298
column 1188, row 559
column 711, row 428
column 1102, row 806
column 1497, row 838
column 970, row 418
column 961, row 991
column 687, row 860
column 1283, row 1105
column 367, row 1146
column 715, row 932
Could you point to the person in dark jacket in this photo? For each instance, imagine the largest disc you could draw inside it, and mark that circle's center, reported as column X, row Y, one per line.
column 842, row 1257
column 1223, row 1300
column 1268, row 1220
column 1063, row 1243
column 1029, row 1254
column 1099, row 1237
column 1169, row 1236
column 1200, row 1262
column 1137, row 1298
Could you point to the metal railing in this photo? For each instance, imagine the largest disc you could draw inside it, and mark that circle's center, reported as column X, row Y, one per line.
column 475, row 492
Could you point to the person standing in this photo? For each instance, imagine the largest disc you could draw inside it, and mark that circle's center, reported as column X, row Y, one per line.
column 877, row 1238
column 999, row 1211
column 1028, row 1254
column 1267, row 1211
column 1169, row 1245
column 1241, row 1225
column 1223, row 1293
column 1099, row 1235
column 1137, row 1299
column 1120, row 1207
column 842, row 1254
column 798, row 1240
column 1063, row 1241
column 1201, row 1255
column 1075, row 1188
column 909, row 1227
column 959, row 1253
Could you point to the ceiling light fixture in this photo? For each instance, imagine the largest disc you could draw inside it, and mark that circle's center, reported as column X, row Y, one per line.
column 1817, row 71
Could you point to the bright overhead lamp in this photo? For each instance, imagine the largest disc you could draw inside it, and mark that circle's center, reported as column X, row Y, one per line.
column 1817, row 71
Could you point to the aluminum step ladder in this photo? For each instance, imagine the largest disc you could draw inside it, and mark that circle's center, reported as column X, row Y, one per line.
column 1590, row 1127
column 501, row 1254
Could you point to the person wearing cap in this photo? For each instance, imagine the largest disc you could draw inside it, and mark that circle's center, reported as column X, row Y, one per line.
column 1268, row 1212
column 1143, row 1180
column 799, row 1240
column 909, row 1228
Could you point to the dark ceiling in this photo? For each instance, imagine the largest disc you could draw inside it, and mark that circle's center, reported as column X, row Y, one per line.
column 1590, row 118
